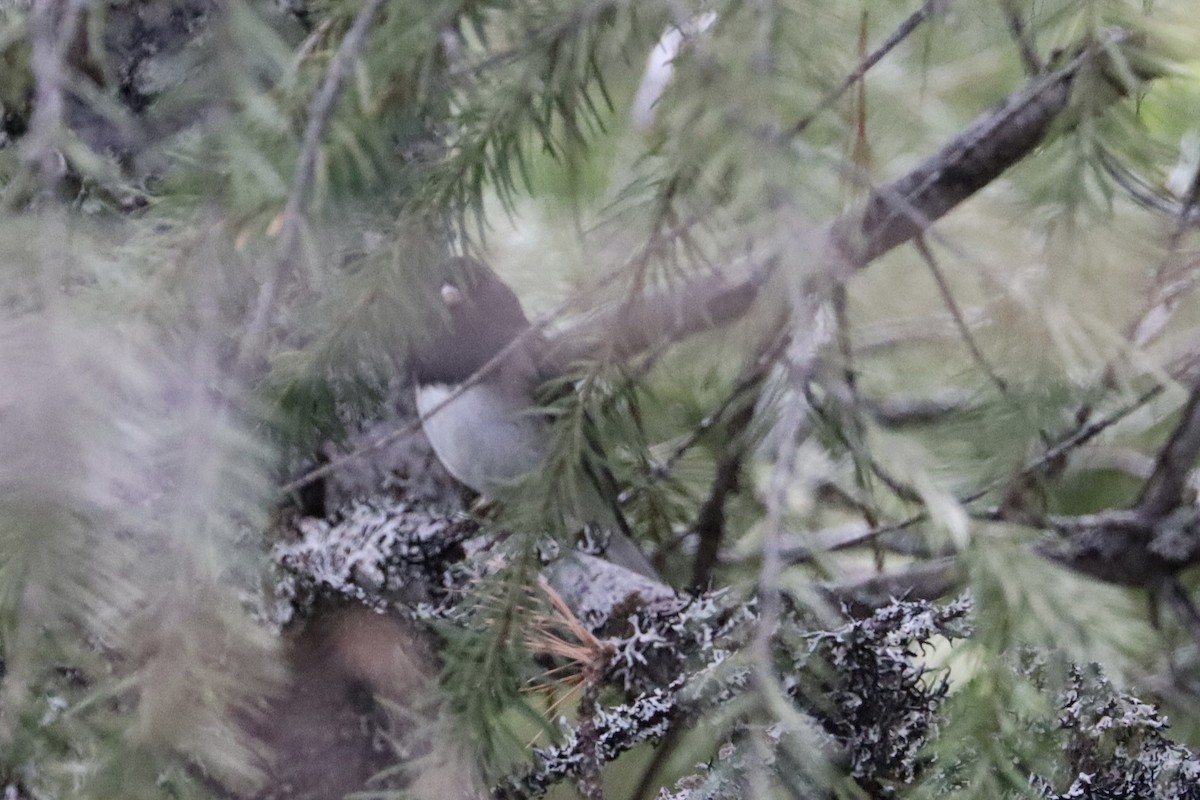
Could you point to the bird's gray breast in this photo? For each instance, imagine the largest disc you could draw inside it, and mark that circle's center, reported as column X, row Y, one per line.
column 486, row 437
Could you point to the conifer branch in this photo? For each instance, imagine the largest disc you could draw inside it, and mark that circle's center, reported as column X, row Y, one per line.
column 956, row 314
column 1023, row 38
column 931, row 9
column 893, row 215
column 1085, row 432
column 320, row 113
column 1163, row 491
column 1149, row 544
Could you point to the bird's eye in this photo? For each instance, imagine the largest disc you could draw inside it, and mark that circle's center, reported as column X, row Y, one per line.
column 451, row 295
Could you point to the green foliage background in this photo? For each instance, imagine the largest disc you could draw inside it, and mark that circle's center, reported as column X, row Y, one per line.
column 145, row 417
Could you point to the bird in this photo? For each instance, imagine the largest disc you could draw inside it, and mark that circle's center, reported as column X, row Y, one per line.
column 489, row 435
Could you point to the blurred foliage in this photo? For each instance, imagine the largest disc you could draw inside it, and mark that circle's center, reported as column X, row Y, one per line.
column 167, row 343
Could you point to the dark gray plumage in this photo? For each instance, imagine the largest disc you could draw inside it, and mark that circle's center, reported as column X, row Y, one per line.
column 488, row 436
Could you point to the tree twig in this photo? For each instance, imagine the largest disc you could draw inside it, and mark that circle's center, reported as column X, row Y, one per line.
column 928, row 580
column 1167, row 288
column 892, row 215
column 710, row 521
column 960, row 321
column 1020, row 34
column 1081, row 436
column 1143, row 193
column 319, row 114
column 1179, row 601
column 1163, row 491
column 931, row 8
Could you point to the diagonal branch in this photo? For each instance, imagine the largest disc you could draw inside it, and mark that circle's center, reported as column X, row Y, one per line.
column 319, row 115
column 1163, row 492
column 1022, row 37
column 930, row 9
column 990, row 145
column 964, row 329
column 1159, row 536
column 893, row 215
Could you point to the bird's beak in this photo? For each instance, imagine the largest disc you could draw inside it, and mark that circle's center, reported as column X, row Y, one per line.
column 451, row 295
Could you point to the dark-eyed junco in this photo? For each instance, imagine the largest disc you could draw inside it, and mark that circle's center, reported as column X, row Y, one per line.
column 489, row 435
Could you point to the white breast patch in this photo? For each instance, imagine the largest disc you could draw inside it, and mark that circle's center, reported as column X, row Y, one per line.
column 485, row 437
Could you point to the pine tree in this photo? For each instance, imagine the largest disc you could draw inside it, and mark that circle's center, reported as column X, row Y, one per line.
column 880, row 315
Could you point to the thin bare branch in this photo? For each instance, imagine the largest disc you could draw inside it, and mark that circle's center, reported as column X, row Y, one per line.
column 319, row 114
column 960, row 321
column 896, row 412
column 882, row 337
column 1185, row 609
column 793, row 427
column 1163, row 492
column 931, row 9
column 710, row 521
column 1024, row 39
column 897, row 212
column 1083, row 434
column 891, row 216
column 926, row 581
column 1144, row 194
column 1169, row 286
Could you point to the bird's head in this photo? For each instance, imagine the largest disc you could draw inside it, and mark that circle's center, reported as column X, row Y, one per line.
column 480, row 316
